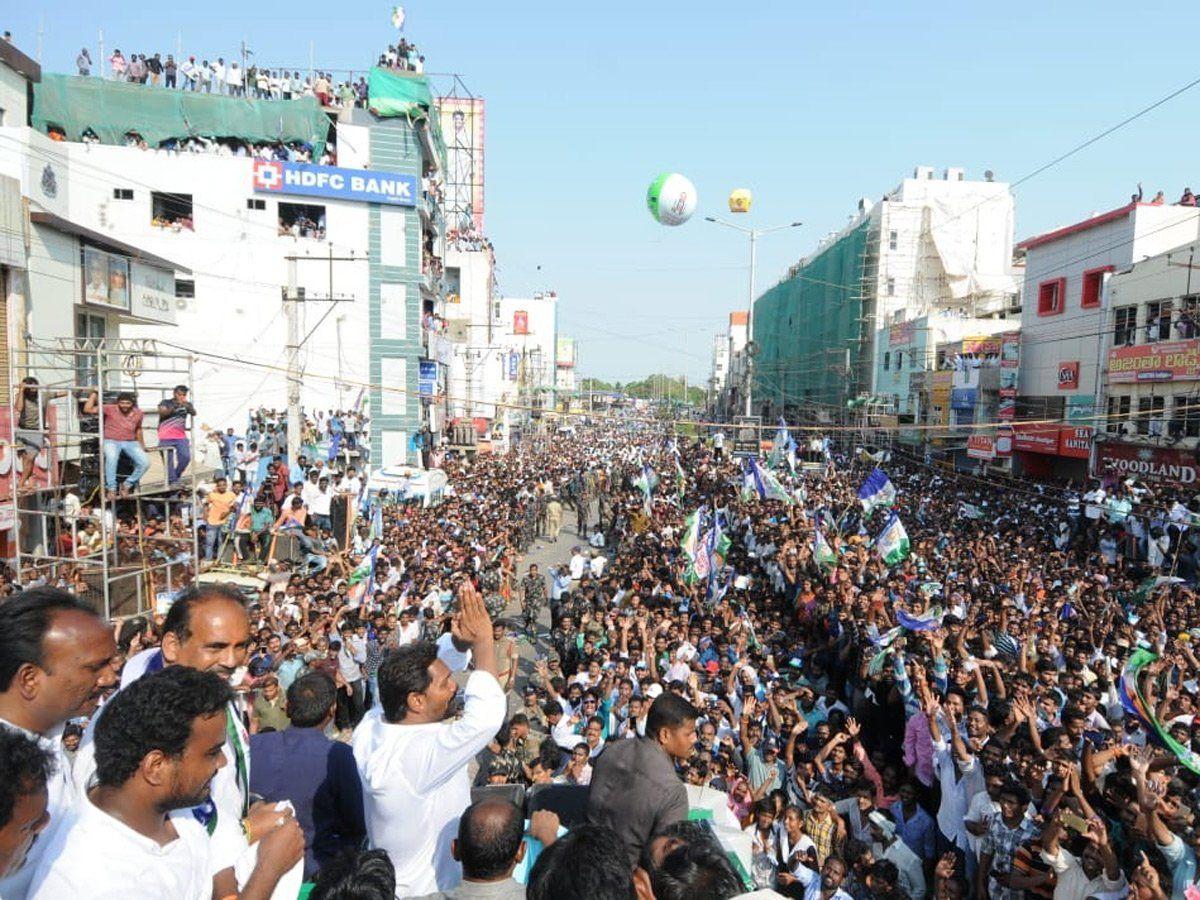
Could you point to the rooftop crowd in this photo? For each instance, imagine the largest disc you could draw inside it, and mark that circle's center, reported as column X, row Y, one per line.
column 1001, row 707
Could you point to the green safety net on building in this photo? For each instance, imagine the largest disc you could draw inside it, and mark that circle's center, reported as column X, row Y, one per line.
column 113, row 108
column 804, row 325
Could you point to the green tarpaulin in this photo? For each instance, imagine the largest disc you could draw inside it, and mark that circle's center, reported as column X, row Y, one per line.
column 398, row 94
column 113, row 108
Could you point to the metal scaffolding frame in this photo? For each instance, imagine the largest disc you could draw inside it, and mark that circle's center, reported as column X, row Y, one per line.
column 148, row 541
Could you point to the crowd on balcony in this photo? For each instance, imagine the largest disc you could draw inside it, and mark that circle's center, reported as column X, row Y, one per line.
column 467, row 239
column 404, row 57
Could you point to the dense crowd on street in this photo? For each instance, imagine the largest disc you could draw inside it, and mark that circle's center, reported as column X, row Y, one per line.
column 999, row 705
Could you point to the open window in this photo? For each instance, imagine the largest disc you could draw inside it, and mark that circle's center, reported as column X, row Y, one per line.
column 302, row 220
column 172, row 211
column 1093, row 284
column 1050, row 297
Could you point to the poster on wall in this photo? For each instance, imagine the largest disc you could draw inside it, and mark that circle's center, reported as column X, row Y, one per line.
column 105, row 279
column 1068, row 375
column 1010, row 349
column 521, row 322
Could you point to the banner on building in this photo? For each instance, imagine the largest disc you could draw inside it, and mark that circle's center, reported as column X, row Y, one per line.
column 963, row 398
column 982, row 345
column 564, row 356
column 1158, row 464
column 901, row 334
column 1036, row 438
column 361, row 185
column 427, row 374
column 1006, row 410
column 981, row 446
column 1004, row 441
column 1081, row 408
column 514, row 363
column 1162, row 361
column 153, row 293
column 105, row 279
column 1075, row 442
column 1068, row 375
column 521, row 322
column 1010, row 349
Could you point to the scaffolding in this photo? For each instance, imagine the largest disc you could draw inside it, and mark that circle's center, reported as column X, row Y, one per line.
column 125, row 552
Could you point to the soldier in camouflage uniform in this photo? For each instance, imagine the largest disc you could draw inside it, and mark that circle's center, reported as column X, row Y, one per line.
column 533, row 598
column 489, row 586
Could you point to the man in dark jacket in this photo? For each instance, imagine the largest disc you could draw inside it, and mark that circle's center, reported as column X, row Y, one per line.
column 318, row 775
column 635, row 789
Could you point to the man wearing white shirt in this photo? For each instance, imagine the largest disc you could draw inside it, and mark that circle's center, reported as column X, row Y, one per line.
column 578, row 564
column 413, row 763
column 158, row 749
column 206, row 629
column 55, row 664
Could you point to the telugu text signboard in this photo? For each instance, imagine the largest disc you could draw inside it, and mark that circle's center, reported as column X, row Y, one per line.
column 360, row 185
column 1161, row 361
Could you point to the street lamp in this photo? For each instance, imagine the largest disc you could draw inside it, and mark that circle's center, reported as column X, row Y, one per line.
column 755, row 234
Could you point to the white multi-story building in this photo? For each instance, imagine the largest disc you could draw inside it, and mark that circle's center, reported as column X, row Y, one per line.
column 731, row 389
column 359, row 244
column 1066, row 318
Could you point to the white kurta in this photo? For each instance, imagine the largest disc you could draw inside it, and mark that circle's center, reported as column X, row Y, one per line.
column 98, row 856
column 61, row 801
column 415, row 785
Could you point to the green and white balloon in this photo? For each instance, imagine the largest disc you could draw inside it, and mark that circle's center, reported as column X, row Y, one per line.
column 671, row 199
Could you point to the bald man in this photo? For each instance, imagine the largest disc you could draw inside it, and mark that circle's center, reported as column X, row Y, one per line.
column 489, row 846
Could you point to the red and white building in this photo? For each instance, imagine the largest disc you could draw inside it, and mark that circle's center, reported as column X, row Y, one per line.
column 1065, row 320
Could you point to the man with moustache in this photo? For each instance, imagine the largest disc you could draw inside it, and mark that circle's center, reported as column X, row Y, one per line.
column 159, row 746
column 206, row 629
column 56, row 662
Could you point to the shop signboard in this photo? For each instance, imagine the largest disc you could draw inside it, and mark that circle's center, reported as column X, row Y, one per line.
column 1075, row 441
column 1036, row 438
column 1161, row 361
column 1068, row 375
column 361, row 185
column 153, row 293
column 981, row 446
column 1161, row 465
column 1010, row 349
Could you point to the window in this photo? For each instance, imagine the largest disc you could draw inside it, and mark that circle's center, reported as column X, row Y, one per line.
column 899, row 360
column 1158, row 321
column 893, row 239
column 941, row 359
column 1185, row 421
column 173, row 211
column 1125, row 326
column 1150, row 415
column 1188, row 324
column 90, row 331
column 891, row 287
column 887, row 360
column 1050, row 297
column 394, row 372
column 122, row 193
column 255, row 203
column 1118, row 412
column 302, row 220
column 1093, row 283
column 185, row 288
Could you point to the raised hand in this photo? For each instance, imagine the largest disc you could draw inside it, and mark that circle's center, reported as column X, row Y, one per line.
column 471, row 625
column 852, row 728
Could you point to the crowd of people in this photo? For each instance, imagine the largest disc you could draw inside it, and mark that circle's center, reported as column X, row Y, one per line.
column 1001, row 704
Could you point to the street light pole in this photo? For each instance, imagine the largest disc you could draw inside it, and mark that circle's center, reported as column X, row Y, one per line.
column 754, row 234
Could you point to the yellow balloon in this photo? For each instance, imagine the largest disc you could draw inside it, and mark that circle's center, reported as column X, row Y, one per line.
column 740, row 200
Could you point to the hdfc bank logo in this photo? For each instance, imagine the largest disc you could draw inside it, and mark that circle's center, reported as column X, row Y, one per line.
column 268, row 176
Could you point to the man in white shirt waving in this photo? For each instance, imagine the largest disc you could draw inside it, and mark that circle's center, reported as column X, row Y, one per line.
column 413, row 762
column 159, row 745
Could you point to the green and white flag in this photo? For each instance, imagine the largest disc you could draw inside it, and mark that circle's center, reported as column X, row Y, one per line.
column 1152, row 584
column 825, row 555
column 892, row 544
column 691, row 545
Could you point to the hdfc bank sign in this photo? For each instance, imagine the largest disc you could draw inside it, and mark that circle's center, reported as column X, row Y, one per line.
column 1158, row 464
column 362, row 185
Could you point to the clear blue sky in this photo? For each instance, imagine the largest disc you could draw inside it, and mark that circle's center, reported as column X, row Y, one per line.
column 809, row 106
